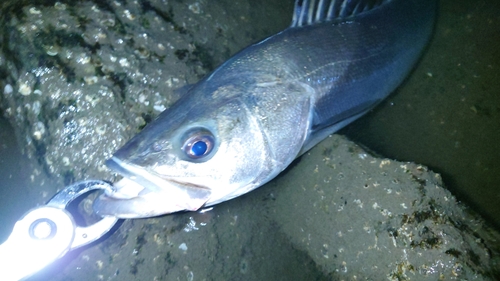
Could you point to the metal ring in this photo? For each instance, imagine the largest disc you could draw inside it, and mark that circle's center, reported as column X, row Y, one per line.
column 88, row 234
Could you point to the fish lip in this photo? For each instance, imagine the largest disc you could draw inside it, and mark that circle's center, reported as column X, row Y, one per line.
column 147, row 182
column 142, row 177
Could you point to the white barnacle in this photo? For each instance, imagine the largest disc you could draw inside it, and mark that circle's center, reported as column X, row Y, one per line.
column 89, row 80
column 60, row 6
column 83, row 59
column 34, row 11
column 183, row 247
column 384, row 162
column 129, row 15
column 359, row 203
column 195, row 8
column 124, row 62
column 52, row 50
column 7, row 90
column 100, row 130
column 38, row 130
column 24, row 89
column 159, row 107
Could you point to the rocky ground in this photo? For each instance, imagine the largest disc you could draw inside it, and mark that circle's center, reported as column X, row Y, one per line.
column 80, row 79
column 338, row 213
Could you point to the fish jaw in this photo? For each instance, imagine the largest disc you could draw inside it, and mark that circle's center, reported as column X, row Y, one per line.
column 142, row 194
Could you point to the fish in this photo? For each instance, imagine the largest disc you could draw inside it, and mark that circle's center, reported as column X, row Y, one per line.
column 244, row 123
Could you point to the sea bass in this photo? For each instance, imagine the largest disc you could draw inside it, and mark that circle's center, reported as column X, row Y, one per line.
column 243, row 124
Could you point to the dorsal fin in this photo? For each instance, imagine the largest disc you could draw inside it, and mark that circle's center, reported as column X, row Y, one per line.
column 308, row 12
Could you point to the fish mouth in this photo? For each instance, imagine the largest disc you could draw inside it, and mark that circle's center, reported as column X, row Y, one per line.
column 143, row 194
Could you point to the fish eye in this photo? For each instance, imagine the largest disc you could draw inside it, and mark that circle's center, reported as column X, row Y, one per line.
column 198, row 144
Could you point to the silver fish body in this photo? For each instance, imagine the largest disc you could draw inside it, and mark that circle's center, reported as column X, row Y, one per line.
column 243, row 124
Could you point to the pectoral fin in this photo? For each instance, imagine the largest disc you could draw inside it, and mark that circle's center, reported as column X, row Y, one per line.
column 320, row 130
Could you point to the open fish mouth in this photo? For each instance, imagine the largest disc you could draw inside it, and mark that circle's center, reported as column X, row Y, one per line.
column 142, row 194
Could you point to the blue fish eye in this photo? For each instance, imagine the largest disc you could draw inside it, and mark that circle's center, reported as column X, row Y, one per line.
column 198, row 145
column 199, row 148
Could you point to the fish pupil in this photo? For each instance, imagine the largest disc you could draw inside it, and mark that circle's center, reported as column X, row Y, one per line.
column 199, row 148
column 198, row 144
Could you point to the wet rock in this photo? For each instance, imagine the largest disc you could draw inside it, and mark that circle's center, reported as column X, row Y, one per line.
column 367, row 218
column 337, row 214
column 79, row 79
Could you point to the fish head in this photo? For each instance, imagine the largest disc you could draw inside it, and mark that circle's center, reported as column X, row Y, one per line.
column 205, row 149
